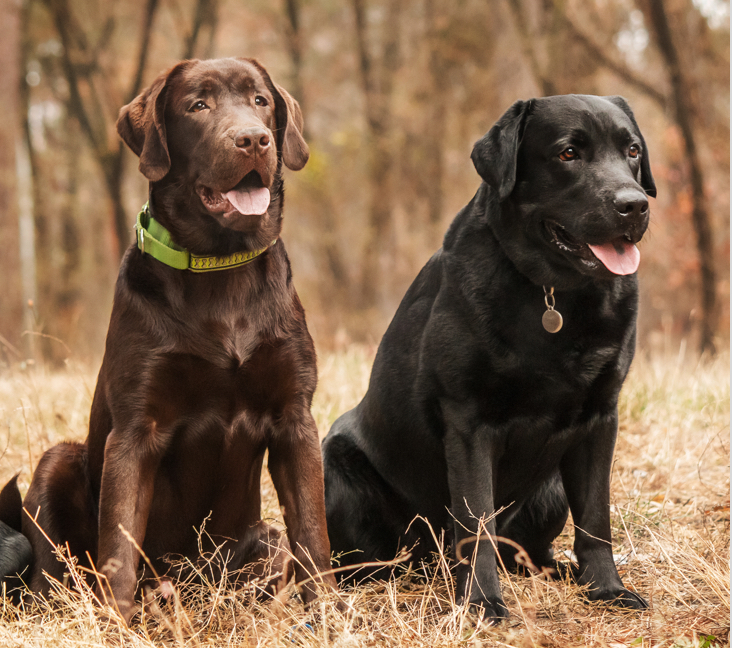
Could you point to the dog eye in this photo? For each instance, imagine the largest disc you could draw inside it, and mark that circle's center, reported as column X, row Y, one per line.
column 260, row 101
column 198, row 106
column 634, row 150
column 569, row 154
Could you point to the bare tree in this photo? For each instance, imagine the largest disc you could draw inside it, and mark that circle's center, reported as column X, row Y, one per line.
column 205, row 17
column 530, row 45
column 11, row 307
column 321, row 195
column 377, row 73
column 436, row 115
column 89, row 86
column 684, row 115
column 294, row 44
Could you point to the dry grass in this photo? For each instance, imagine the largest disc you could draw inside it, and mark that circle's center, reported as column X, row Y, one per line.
column 670, row 515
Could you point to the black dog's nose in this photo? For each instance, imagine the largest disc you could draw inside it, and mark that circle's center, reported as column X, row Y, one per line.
column 253, row 140
column 630, row 202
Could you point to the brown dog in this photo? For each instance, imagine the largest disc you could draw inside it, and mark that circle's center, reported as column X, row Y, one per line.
column 203, row 371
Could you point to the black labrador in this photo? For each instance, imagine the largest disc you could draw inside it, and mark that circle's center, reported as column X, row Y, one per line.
column 494, row 391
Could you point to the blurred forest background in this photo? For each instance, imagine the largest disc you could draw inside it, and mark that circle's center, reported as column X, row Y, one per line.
column 394, row 94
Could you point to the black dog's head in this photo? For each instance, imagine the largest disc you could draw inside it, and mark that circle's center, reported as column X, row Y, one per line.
column 212, row 136
column 572, row 177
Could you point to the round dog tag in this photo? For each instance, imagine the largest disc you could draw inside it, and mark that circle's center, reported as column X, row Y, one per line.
column 552, row 321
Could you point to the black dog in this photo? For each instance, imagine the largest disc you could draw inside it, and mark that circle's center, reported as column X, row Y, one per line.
column 474, row 408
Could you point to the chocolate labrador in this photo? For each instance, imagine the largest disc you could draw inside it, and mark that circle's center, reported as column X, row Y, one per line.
column 208, row 361
column 493, row 398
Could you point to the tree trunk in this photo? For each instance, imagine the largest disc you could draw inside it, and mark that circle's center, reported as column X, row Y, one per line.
column 113, row 168
column 378, row 95
column 321, row 195
column 205, row 16
column 294, row 45
column 11, row 295
column 88, row 109
column 700, row 213
column 436, row 110
column 529, row 45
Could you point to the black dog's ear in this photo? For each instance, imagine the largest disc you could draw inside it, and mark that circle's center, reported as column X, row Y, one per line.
column 295, row 151
column 496, row 154
column 141, row 125
column 647, row 182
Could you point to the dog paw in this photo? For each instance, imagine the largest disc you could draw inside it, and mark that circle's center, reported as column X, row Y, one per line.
column 491, row 610
column 621, row 597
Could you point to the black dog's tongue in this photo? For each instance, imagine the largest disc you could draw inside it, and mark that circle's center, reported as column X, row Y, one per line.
column 620, row 256
column 252, row 201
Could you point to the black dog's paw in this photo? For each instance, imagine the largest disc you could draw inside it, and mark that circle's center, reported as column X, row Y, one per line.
column 621, row 597
column 491, row 610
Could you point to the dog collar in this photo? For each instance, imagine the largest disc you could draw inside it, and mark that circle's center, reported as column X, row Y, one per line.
column 155, row 240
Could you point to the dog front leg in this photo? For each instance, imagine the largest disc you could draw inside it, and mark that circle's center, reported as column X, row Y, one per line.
column 128, row 478
column 469, row 454
column 296, row 467
column 585, row 473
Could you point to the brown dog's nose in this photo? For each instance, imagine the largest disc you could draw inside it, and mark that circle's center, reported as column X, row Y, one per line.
column 252, row 140
column 630, row 202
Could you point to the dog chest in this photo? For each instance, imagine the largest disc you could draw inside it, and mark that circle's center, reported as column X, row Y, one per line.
column 185, row 386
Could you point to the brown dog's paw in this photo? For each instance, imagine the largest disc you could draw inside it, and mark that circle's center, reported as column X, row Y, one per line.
column 116, row 615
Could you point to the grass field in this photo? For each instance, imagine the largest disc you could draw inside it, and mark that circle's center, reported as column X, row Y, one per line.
column 670, row 505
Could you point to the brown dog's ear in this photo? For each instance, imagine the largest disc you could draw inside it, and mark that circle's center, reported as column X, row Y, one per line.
column 295, row 152
column 289, row 123
column 646, row 179
column 141, row 125
column 495, row 155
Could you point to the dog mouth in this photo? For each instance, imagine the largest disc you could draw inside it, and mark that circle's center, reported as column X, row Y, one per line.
column 250, row 197
column 619, row 255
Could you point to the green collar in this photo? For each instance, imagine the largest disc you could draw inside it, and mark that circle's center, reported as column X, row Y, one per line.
column 155, row 240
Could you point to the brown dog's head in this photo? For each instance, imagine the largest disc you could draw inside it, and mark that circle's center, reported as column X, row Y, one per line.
column 212, row 135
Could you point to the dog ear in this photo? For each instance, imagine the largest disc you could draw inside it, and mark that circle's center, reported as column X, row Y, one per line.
column 288, row 116
column 646, row 181
column 141, row 125
column 496, row 154
column 295, row 151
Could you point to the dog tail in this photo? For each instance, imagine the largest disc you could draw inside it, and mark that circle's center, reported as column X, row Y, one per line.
column 16, row 554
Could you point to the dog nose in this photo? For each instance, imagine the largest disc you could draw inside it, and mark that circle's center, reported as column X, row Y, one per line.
column 252, row 141
column 630, row 202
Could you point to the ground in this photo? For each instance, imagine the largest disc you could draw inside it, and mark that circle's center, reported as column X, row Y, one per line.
column 670, row 505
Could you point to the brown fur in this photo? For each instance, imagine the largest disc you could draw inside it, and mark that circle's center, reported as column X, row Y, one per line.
column 202, row 373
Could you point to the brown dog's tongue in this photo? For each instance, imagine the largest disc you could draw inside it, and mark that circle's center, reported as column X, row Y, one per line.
column 619, row 256
column 252, row 202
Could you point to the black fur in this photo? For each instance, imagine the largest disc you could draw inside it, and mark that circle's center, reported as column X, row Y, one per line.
column 472, row 406
column 16, row 555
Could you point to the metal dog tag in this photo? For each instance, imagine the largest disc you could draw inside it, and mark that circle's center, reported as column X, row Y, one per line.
column 552, row 321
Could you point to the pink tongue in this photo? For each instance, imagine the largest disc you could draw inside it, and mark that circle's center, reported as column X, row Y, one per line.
column 252, row 202
column 619, row 256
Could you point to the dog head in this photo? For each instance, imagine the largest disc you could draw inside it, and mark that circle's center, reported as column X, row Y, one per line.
column 213, row 135
column 572, row 177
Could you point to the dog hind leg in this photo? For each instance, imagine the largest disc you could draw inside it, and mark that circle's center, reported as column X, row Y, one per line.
column 61, row 505
column 367, row 520
column 538, row 521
